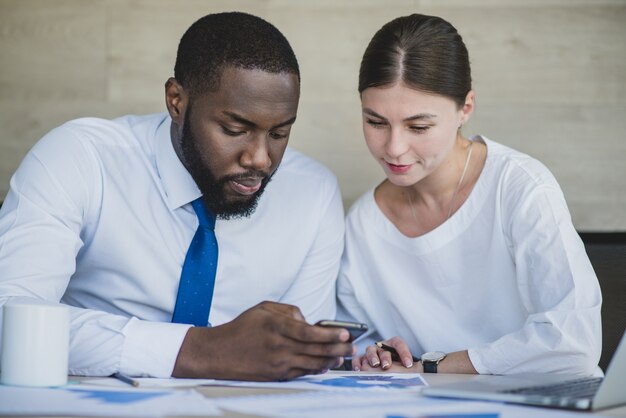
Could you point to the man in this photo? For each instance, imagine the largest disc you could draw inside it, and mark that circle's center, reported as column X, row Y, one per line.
column 104, row 215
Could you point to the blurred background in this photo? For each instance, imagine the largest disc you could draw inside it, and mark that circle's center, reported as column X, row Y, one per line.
column 550, row 77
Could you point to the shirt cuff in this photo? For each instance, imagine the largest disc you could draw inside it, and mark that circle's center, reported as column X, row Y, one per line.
column 151, row 348
column 477, row 361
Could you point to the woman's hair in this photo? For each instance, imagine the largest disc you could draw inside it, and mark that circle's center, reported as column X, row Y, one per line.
column 424, row 52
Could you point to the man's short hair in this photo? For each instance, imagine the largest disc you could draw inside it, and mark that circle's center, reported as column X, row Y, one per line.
column 230, row 39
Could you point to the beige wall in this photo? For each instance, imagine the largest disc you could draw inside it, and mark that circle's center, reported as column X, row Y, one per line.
column 550, row 77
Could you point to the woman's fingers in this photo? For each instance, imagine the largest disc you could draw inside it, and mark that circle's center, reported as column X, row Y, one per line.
column 402, row 348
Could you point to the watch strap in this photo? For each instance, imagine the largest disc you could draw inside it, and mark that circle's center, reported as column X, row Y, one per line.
column 429, row 366
column 431, row 359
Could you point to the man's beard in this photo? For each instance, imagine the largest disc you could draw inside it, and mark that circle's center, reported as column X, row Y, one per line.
column 212, row 188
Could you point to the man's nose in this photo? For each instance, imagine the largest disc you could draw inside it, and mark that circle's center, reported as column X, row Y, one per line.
column 256, row 154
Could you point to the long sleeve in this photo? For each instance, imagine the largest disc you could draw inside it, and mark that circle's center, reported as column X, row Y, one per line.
column 506, row 277
column 99, row 218
column 556, row 283
column 43, row 225
column 313, row 290
column 349, row 308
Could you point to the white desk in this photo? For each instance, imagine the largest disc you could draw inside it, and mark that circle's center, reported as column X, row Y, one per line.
column 433, row 380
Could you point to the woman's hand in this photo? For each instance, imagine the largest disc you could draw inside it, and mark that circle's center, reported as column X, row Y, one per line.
column 376, row 358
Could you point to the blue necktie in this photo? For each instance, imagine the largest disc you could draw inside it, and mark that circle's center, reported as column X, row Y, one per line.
column 197, row 279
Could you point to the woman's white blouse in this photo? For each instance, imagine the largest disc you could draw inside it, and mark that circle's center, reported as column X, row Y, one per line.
column 506, row 277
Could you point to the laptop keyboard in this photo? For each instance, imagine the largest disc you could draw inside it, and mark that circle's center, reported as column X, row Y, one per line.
column 584, row 388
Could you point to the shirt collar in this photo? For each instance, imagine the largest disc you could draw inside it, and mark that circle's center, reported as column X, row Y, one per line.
column 179, row 186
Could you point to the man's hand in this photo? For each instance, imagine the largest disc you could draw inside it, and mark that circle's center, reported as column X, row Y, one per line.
column 270, row 341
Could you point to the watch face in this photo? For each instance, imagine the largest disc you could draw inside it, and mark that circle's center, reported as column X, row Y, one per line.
column 433, row 356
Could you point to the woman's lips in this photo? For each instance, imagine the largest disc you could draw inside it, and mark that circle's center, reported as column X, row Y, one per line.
column 397, row 168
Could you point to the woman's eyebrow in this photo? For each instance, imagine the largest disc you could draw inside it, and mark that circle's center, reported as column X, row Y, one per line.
column 419, row 116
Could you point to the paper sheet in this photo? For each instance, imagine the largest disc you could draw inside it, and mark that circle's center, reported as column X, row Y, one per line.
column 335, row 381
column 329, row 381
column 147, row 382
column 74, row 400
column 377, row 404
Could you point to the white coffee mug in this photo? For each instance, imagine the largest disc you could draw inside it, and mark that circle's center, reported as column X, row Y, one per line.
column 35, row 343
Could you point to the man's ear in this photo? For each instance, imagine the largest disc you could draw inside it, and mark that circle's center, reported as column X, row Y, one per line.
column 176, row 99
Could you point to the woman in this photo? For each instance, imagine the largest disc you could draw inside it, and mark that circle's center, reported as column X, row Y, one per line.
column 465, row 255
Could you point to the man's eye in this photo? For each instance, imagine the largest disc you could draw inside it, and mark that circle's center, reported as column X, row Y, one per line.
column 230, row 132
column 278, row 135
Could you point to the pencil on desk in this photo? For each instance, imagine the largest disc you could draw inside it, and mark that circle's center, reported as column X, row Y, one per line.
column 126, row 379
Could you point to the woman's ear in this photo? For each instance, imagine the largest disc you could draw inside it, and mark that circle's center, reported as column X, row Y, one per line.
column 176, row 99
column 468, row 107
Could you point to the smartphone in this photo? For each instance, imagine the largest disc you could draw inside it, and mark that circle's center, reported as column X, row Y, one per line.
column 356, row 329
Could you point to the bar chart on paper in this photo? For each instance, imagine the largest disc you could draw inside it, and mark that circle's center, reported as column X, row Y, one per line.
column 338, row 381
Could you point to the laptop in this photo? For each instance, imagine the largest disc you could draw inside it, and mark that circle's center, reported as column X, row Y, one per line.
column 549, row 390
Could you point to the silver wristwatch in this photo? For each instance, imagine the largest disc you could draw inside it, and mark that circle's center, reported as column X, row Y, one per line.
column 431, row 359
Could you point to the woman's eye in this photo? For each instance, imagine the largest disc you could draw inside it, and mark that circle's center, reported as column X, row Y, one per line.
column 231, row 132
column 375, row 123
column 419, row 129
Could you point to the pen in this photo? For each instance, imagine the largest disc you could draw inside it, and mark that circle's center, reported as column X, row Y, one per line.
column 126, row 379
column 394, row 354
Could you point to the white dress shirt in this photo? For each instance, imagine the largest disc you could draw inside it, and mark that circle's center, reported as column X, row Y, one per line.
column 506, row 277
column 98, row 217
